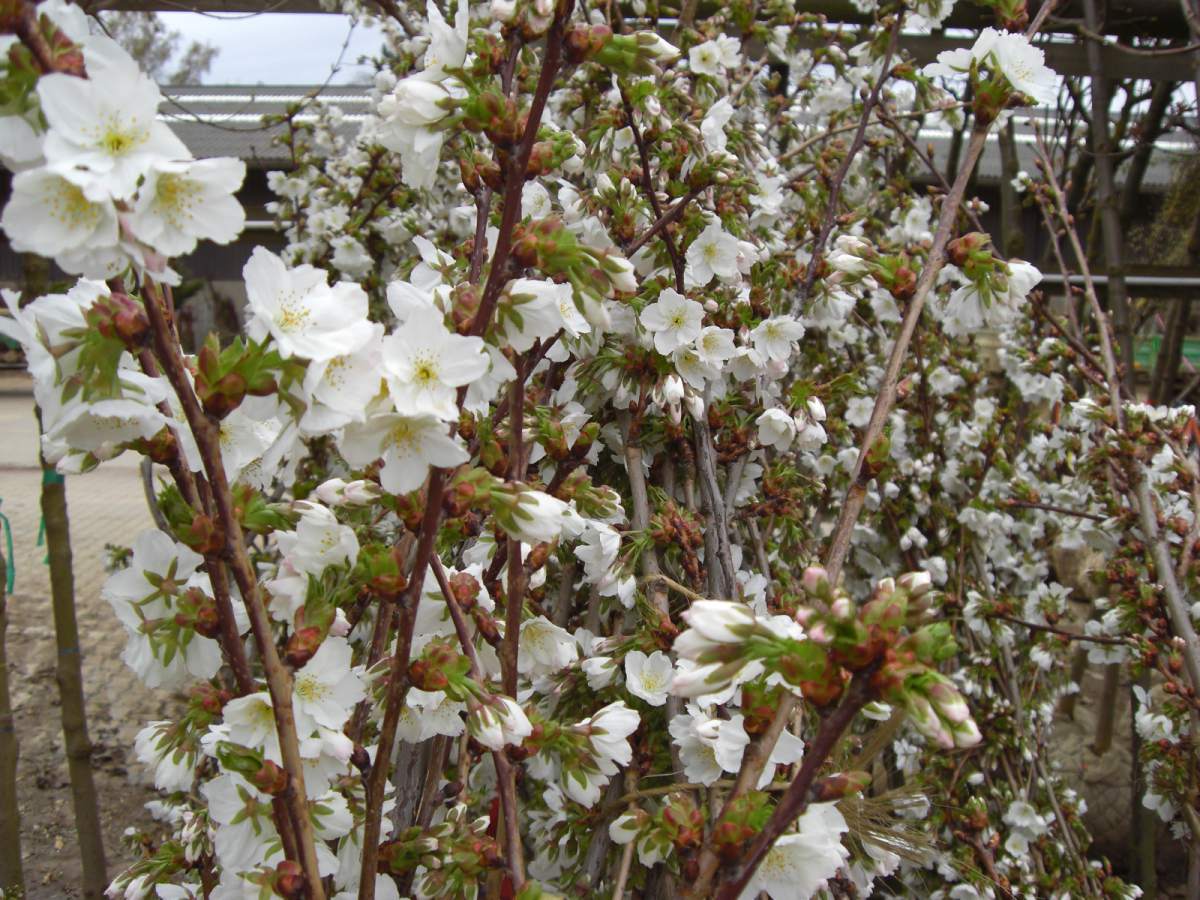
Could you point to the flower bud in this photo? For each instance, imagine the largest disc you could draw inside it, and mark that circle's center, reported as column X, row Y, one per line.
column 289, row 880
column 340, row 627
column 926, row 721
column 815, row 581
column 835, row 787
column 583, row 42
column 966, row 734
column 302, row 646
column 916, row 583
column 207, row 620
column 503, row 10
column 948, row 702
column 423, row 675
column 270, row 779
column 707, row 679
column 121, row 318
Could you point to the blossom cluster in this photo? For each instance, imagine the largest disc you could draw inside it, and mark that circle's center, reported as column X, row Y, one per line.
column 493, row 540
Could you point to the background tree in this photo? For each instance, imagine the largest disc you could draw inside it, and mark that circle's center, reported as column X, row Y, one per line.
column 156, row 47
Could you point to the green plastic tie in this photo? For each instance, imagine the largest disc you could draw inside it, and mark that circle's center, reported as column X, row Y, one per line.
column 49, row 476
column 10, row 564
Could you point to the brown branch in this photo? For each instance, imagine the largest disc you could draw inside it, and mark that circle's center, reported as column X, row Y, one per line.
column 1069, row 635
column 795, row 799
column 663, row 221
column 397, row 685
column 279, row 683
column 856, row 494
column 839, row 178
column 648, row 186
column 517, row 166
column 514, row 601
column 1079, row 514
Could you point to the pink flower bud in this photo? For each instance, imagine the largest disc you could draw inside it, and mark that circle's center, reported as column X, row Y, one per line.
column 815, row 580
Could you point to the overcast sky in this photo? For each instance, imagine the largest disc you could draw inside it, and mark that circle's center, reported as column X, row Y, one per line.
column 278, row 48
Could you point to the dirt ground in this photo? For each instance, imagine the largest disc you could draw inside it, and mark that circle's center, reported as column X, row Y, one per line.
column 105, row 506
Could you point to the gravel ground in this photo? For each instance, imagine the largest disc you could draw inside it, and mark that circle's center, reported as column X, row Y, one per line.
column 106, row 506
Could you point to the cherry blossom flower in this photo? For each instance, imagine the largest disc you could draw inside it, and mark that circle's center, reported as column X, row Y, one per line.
column 598, row 549
column 245, row 832
column 711, row 624
column 326, row 690
column 50, row 215
column 538, row 517
column 143, row 597
column 711, row 57
column 174, row 765
column 447, row 46
column 544, row 647
column 425, row 364
column 499, row 723
column 673, row 319
column 341, row 387
column 533, row 312
column 181, row 202
column 1010, row 54
column 775, row 337
column 250, row 721
column 713, row 253
column 776, row 429
column 712, row 128
column 299, row 309
column 800, row 862
column 649, row 677
column 105, row 127
column 408, row 445
column 608, row 732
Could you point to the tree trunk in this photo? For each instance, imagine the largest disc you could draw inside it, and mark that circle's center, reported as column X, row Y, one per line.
column 69, row 671
column 70, row 685
column 12, row 879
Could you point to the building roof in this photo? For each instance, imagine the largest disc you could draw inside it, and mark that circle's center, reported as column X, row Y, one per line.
column 229, row 120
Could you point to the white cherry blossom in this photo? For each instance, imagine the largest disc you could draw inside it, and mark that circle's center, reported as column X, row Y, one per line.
column 299, row 309
column 714, row 253
column 105, row 127
column 673, row 319
column 649, row 677
column 425, row 364
column 408, row 445
column 326, row 690
column 181, row 202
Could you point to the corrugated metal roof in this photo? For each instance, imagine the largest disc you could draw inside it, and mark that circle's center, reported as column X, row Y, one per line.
column 228, row 120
